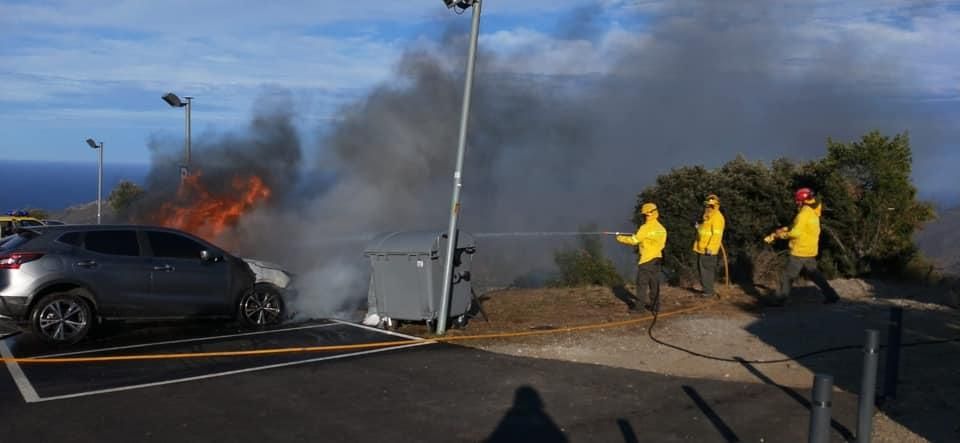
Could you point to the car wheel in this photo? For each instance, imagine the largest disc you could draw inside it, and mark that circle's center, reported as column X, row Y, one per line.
column 61, row 318
column 261, row 306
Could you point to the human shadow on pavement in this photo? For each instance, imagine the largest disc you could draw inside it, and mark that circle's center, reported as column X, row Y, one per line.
column 526, row 421
column 725, row 431
column 843, row 430
column 629, row 435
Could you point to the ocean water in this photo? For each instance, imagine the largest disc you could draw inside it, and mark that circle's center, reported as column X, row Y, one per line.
column 57, row 185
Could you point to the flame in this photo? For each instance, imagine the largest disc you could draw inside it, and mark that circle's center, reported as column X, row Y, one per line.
column 207, row 215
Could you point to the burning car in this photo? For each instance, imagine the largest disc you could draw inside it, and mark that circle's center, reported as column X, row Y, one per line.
column 59, row 281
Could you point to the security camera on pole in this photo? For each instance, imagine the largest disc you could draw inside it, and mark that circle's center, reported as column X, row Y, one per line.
column 457, row 174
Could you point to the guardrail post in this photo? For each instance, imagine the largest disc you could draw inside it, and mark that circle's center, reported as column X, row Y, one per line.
column 891, row 373
column 868, row 386
column 820, row 409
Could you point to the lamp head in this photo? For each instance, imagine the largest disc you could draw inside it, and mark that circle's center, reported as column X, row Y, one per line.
column 173, row 100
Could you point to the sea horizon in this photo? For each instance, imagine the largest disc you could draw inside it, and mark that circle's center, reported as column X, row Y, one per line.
column 56, row 185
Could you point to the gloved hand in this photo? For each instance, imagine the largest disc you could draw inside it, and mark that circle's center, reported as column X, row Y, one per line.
column 769, row 239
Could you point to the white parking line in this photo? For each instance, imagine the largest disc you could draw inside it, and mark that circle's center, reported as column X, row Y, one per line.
column 187, row 340
column 382, row 331
column 23, row 384
column 30, row 394
column 201, row 377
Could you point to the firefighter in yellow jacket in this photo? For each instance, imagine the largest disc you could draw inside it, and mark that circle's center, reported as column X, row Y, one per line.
column 804, row 241
column 707, row 245
column 650, row 238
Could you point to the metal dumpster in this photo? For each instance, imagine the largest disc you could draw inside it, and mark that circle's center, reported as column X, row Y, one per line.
column 407, row 278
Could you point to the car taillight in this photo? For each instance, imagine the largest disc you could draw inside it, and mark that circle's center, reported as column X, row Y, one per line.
column 15, row 259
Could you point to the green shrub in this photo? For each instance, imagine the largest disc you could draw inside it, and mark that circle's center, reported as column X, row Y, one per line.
column 870, row 209
column 586, row 265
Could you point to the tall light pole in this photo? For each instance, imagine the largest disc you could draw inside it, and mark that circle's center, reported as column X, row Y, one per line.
column 446, row 293
column 174, row 101
column 99, row 147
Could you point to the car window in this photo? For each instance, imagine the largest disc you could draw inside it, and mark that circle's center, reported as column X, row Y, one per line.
column 71, row 238
column 6, row 228
column 29, row 223
column 170, row 245
column 112, row 242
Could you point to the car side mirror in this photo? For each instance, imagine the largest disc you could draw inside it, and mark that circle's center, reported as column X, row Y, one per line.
column 206, row 256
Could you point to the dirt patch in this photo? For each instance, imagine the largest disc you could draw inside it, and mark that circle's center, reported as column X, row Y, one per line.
column 738, row 325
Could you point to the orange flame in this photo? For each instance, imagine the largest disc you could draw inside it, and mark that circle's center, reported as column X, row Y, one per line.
column 200, row 212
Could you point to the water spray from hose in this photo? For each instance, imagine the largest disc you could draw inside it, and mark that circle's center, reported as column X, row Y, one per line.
column 545, row 234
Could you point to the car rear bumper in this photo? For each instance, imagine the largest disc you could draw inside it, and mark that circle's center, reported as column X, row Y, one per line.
column 12, row 307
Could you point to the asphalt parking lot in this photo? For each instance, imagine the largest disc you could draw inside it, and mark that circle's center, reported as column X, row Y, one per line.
column 421, row 392
column 46, row 382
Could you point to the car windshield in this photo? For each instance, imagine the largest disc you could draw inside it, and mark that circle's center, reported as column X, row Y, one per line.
column 29, row 223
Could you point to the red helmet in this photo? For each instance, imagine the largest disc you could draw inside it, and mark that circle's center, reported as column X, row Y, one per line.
column 802, row 195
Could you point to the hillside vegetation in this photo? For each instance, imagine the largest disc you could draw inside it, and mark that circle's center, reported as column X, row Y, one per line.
column 871, row 211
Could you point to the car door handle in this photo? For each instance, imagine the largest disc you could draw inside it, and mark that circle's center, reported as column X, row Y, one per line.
column 87, row 264
column 165, row 268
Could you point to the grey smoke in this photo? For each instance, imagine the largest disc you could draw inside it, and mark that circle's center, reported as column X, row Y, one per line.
column 553, row 152
column 269, row 149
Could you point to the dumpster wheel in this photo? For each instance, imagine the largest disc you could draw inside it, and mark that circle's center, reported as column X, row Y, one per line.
column 389, row 324
column 461, row 321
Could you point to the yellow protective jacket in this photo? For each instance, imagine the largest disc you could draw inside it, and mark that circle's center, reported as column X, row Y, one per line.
column 804, row 234
column 710, row 232
column 651, row 237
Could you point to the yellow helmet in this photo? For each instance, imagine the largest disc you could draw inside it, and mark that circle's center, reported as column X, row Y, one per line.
column 712, row 200
column 648, row 208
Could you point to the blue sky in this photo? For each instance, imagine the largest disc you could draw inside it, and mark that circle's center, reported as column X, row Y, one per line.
column 76, row 69
column 72, row 69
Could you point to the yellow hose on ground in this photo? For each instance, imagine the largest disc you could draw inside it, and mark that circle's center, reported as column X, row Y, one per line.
column 292, row 350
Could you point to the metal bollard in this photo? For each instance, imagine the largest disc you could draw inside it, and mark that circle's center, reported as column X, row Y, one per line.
column 820, row 409
column 891, row 374
column 868, row 386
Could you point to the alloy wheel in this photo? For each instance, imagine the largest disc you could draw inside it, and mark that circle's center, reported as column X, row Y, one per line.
column 261, row 308
column 63, row 320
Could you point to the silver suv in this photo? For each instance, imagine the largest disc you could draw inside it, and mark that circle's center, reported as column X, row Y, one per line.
column 58, row 281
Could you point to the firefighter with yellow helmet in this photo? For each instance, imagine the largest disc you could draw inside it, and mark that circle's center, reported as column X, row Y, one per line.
column 804, row 241
column 650, row 238
column 707, row 245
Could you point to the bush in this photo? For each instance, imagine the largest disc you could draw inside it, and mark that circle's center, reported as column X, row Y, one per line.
column 858, row 183
column 586, row 265
column 123, row 196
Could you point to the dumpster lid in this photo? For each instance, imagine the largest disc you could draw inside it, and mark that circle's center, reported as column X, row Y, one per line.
column 412, row 242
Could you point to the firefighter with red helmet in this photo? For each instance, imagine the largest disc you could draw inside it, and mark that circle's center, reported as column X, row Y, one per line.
column 650, row 238
column 804, row 241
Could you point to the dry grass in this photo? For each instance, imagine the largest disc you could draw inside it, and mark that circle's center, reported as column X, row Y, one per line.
column 512, row 310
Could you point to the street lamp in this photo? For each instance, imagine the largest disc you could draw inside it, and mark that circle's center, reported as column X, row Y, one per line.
column 457, row 174
column 175, row 102
column 99, row 147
